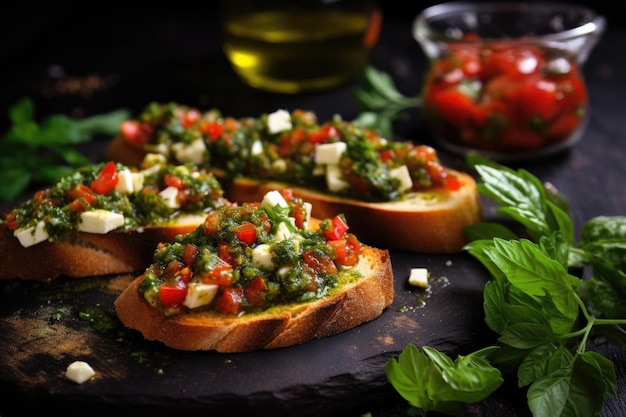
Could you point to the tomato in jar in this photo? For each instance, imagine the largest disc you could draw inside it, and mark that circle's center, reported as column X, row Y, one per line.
column 503, row 97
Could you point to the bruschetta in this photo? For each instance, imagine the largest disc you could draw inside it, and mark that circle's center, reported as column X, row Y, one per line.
column 394, row 193
column 105, row 219
column 258, row 276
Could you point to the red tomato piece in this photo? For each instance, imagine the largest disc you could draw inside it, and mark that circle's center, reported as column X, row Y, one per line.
column 454, row 106
column 334, row 229
column 246, row 232
column 255, row 290
column 230, row 300
column 136, row 132
column 213, row 130
column 172, row 294
column 106, row 180
column 189, row 254
column 320, row 263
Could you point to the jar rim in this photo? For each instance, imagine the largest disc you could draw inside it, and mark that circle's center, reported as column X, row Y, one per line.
column 430, row 24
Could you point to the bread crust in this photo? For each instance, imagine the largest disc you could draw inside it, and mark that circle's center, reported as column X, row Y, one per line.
column 84, row 254
column 347, row 307
column 431, row 222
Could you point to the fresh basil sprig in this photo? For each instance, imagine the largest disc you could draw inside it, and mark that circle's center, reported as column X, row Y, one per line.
column 381, row 103
column 36, row 154
column 545, row 318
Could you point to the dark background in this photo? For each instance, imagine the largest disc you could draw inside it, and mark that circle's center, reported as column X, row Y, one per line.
column 92, row 57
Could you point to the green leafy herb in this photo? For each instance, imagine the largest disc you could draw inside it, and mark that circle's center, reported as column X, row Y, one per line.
column 40, row 153
column 381, row 102
column 544, row 317
column 431, row 381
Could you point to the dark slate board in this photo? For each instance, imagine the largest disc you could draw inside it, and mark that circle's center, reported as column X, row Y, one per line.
column 337, row 375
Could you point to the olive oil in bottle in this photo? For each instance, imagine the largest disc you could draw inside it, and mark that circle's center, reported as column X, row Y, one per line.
column 296, row 48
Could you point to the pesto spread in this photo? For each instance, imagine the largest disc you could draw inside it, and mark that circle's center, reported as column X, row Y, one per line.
column 336, row 157
column 107, row 196
column 251, row 257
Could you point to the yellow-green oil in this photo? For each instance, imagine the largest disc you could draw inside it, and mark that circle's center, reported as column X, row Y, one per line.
column 292, row 52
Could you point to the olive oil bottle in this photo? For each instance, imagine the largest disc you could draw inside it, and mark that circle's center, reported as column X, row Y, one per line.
column 295, row 47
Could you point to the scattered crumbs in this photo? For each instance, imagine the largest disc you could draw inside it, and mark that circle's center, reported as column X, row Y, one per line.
column 227, row 361
column 449, row 262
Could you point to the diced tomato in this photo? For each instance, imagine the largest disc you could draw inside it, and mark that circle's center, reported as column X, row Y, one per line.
column 189, row 254
column 453, row 183
column 224, row 252
column 212, row 222
column 190, row 117
column 136, row 132
column 339, row 246
column 245, row 232
column 172, row 294
column 213, row 130
column 81, row 197
column 323, row 134
column 255, row 290
column 230, row 300
column 11, row 221
column 221, row 274
column 319, row 262
column 299, row 214
column 171, row 180
column 347, row 249
column 334, row 229
column 106, row 180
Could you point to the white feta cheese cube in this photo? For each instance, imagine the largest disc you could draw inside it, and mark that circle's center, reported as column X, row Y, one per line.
column 329, row 153
column 256, row 148
column 129, row 182
column 334, row 178
column 273, row 198
column 200, row 294
column 262, row 257
column 418, row 277
column 100, row 221
column 278, row 121
column 402, row 173
column 170, row 195
column 282, row 232
column 79, row 372
column 193, row 152
column 29, row 236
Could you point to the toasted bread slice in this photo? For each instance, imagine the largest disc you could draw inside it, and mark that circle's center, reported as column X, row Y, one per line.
column 86, row 254
column 346, row 307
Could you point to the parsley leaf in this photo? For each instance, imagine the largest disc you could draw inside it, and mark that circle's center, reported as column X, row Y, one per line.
column 38, row 154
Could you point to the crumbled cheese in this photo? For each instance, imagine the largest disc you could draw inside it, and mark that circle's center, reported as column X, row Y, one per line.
column 79, row 372
column 29, row 236
column 329, row 153
column 262, row 257
column 418, row 277
column 402, row 173
column 256, row 148
column 193, row 152
column 278, row 121
column 170, row 195
column 129, row 182
column 334, row 178
column 200, row 294
column 274, row 198
column 100, row 221
column 282, row 232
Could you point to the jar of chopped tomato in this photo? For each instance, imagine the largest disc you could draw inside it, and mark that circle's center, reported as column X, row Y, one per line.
column 506, row 78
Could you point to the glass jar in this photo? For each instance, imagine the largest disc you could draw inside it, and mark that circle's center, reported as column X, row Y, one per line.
column 505, row 78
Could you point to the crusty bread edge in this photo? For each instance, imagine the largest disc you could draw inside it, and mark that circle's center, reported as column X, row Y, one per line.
column 82, row 254
column 348, row 307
